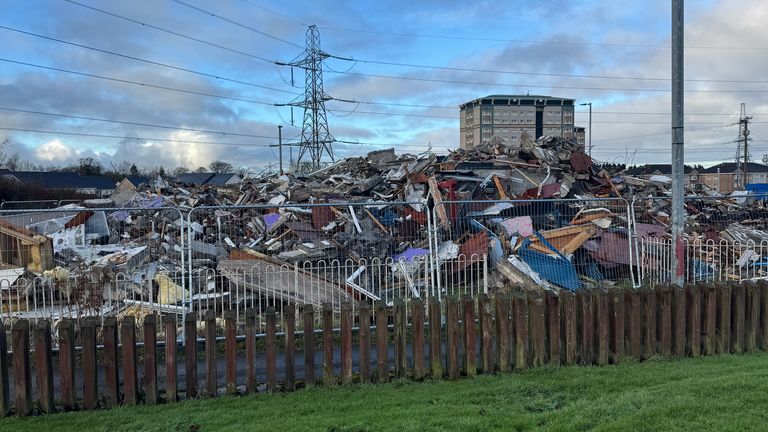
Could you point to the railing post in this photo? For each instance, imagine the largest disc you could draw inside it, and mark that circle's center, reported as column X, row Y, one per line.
column 130, row 376
column 382, row 349
column 694, row 319
column 171, row 365
column 738, row 315
column 679, row 323
column 724, row 318
column 90, row 375
column 250, row 350
column 289, row 317
column 150, row 359
column 364, row 340
column 271, row 315
column 553, row 328
column 44, row 366
column 190, row 352
column 435, row 339
column 452, row 336
column 485, row 310
column 5, row 385
column 710, row 319
column 587, row 326
column 400, row 342
column 470, row 336
column 211, row 386
column 569, row 326
column 502, row 332
column 230, row 350
column 602, row 315
column 111, row 375
column 763, row 285
column 520, row 314
column 617, row 324
column 346, row 343
column 417, row 345
column 22, row 372
column 649, row 321
column 634, row 309
column 309, row 345
column 328, row 378
column 537, row 330
column 753, row 315
column 664, row 299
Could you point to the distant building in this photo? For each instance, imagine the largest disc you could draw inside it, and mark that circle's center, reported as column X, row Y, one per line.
column 691, row 174
column 508, row 116
column 723, row 176
column 209, row 179
column 580, row 134
column 96, row 185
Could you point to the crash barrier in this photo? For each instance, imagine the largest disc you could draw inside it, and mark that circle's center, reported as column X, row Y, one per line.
column 460, row 336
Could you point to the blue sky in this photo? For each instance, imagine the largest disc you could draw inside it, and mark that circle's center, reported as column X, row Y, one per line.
column 438, row 54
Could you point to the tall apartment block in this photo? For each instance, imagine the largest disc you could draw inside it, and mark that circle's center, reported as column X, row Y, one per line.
column 507, row 116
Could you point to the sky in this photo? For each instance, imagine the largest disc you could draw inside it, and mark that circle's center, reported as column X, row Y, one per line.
column 185, row 82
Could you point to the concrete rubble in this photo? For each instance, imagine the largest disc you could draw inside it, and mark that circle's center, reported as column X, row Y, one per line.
column 539, row 215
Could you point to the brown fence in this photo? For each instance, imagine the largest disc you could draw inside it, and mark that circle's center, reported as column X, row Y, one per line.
column 454, row 338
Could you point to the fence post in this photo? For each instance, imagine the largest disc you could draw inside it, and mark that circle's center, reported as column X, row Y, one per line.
column 520, row 314
column 753, row 316
column 569, row 327
column 230, row 350
column 90, row 375
column 400, row 343
column 22, row 371
column 190, row 352
column 452, row 336
column 5, row 385
column 150, row 359
column 309, row 345
column 171, row 366
column 710, row 318
column 723, row 318
column 382, row 348
column 417, row 329
column 250, row 350
column 211, row 385
column 485, row 310
column 537, row 330
column 44, row 366
column 738, row 315
column 346, row 343
column 66, row 362
column 553, row 327
column 130, row 376
column 364, row 340
column 587, row 326
column 763, row 285
column 289, row 317
column 435, row 342
column 328, row 378
column 679, row 322
column 271, row 315
column 502, row 332
column 617, row 324
column 694, row 319
column 602, row 314
column 111, row 379
column 664, row 298
column 649, row 318
column 470, row 336
column 634, row 309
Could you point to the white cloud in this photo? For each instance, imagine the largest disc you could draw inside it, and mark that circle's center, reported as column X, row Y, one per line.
column 54, row 151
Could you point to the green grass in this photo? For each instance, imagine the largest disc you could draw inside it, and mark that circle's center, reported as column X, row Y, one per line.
column 714, row 393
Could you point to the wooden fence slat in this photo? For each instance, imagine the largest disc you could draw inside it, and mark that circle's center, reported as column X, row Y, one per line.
column 470, row 336
column 664, row 299
column 89, row 367
column 171, row 357
column 634, row 307
column 250, row 351
column 602, row 315
column 586, row 323
column 723, row 318
column 679, row 323
column 382, row 346
column 694, row 320
column 211, row 372
column 569, row 326
column 190, row 354
column 618, row 331
column 150, row 359
column 5, row 385
column 553, row 328
column 230, row 350
column 271, row 315
column 44, row 366
column 709, row 321
column 309, row 345
column 328, row 378
column 649, row 323
column 753, row 316
column 364, row 341
column 763, row 285
column 417, row 346
column 22, row 370
column 502, row 332
column 400, row 342
column 346, row 343
column 738, row 316
column 111, row 373
column 485, row 312
column 452, row 336
column 435, row 339
column 66, row 363
column 289, row 317
column 130, row 371
column 520, row 314
column 537, row 328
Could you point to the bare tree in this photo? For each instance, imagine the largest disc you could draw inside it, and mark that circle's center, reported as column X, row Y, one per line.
column 221, row 167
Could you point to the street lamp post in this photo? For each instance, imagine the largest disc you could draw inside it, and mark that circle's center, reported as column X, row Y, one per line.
column 590, row 127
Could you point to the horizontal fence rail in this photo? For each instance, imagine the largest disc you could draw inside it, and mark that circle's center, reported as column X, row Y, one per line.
column 459, row 336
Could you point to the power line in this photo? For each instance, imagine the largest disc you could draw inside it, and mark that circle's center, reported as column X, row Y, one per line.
column 181, row 35
column 136, row 82
column 275, row 13
column 233, row 22
column 147, row 61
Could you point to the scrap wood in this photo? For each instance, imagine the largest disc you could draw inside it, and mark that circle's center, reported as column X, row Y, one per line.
column 376, row 221
column 499, row 187
column 437, row 197
column 566, row 240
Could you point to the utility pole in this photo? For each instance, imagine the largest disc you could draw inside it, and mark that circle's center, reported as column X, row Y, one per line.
column 280, row 146
column 590, row 127
column 743, row 146
column 678, row 144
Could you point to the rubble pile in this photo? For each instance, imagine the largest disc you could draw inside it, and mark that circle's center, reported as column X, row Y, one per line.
column 539, row 214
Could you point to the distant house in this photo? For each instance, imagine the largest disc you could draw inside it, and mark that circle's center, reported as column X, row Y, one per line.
column 209, row 179
column 691, row 174
column 724, row 177
column 136, row 180
column 96, row 185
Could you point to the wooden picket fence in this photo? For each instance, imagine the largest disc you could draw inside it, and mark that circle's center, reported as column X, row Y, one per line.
column 503, row 333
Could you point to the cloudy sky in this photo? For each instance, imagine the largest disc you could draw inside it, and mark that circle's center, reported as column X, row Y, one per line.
column 186, row 82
